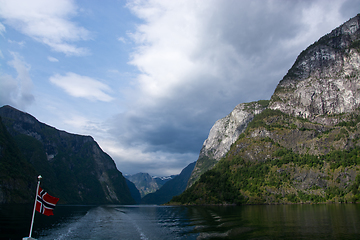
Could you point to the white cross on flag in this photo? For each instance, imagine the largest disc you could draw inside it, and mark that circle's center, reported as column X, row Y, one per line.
column 45, row 203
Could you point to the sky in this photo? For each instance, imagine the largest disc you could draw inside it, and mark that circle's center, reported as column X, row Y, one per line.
column 148, row 79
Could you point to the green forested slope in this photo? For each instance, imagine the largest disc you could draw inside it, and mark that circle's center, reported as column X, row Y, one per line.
column 17, row 176
column 283, row 159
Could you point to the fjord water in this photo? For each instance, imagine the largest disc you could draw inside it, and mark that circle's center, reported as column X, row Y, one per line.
column 323, row 221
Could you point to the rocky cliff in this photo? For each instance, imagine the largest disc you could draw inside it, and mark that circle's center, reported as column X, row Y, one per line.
column 223, row 134
column 74, row 168
column 325, row 79
column 305, row 147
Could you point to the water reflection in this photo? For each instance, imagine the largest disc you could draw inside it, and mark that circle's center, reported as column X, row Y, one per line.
column 335, row 221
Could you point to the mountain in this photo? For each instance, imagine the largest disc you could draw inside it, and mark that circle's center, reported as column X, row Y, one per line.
column 147, row 184
column 135, row 193
column 324, row 79
column 162, row 180
column 173, row 187
column 73, row 167
column 305, row 146
column 223, row 134
column 17, row 176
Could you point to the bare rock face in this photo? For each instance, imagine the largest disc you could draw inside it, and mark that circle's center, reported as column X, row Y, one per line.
column 325, row 79
column 223, row 134
column 227, row 130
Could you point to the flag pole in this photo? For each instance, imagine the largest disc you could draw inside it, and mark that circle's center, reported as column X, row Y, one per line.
column 33, row 215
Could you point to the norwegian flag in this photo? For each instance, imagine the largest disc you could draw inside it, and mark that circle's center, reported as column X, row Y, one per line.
column 45, row 203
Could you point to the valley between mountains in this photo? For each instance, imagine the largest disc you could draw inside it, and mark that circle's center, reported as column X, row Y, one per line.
column 300, row 146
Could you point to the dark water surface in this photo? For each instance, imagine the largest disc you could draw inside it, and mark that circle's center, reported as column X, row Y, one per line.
column 332, row 221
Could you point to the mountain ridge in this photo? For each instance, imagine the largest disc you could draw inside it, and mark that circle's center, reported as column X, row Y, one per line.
column 304, row 147
column 146, row 184
column 327, row 67
column 223, row 134
column 73, row 166
column 171, row 188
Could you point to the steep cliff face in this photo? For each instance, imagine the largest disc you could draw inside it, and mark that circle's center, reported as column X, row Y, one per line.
column 325, row 78
column 73, row 167
column 224, row 133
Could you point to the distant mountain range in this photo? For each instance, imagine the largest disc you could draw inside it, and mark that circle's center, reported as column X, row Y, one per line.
column 147, row 184
column 171, row 188
column 158, row 190
column 73, row 167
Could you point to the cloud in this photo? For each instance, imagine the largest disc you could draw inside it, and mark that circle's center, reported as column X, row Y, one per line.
column 135, row 160
column 121, row 39
column 199, row 59
column 17, row 92
column 2, row 29
column 21, row 43
column 52, row 59
column 46, row 22
column 82, row 86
